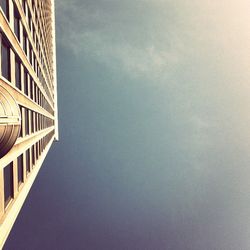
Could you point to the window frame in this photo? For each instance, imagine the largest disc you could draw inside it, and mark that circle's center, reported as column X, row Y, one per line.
column 8, row 177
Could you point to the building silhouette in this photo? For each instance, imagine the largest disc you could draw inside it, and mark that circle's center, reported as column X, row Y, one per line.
column 28, row 100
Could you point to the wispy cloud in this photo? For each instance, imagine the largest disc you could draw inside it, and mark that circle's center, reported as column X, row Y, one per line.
column 146, row 37
column 200, row 47
column 191, row 61
column 139, row 37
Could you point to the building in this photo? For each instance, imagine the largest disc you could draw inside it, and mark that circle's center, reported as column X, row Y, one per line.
column 28, row 100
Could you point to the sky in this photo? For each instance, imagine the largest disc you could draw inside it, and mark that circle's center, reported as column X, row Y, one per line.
column 154, row 100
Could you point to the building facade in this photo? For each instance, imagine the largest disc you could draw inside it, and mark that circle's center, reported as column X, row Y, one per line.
column 28, row 100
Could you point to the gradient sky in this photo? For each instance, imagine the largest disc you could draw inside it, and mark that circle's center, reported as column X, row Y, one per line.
column 154, row 151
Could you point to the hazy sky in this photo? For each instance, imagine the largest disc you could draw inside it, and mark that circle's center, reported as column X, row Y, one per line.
column 154, row 151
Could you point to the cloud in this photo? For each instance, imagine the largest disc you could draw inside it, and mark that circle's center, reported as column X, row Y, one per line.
column 154, row 38
column 191, row 60
column 201, row 47
column 139, row 37
column 199, row 50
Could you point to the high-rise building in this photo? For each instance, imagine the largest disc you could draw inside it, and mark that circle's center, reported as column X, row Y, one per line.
column 28, row 100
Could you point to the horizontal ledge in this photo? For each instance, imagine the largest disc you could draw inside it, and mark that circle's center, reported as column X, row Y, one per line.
column 5, row 26
column 8, row 219
column 23, row 100
column 22, row 144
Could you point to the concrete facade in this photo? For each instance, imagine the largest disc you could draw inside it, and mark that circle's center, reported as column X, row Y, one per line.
column 28, row 76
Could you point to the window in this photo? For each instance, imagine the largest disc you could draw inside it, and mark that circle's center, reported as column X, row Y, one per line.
column 38, row 121
column 28, row 161
column 34, row 35
column 33, row 4
column 31, row 88
column 36, row 17
column 5, row 7
column 8, row 184
column 31, row 52
column 32, row 121
column 33, row 155
column 26, row 121
column 29, row 19
column 20, row 169
column 25, row 45
column 25, row 82
column 5, row 62
column 34, row 64
column 24, row 6
column 17, row 23
column 18, row 73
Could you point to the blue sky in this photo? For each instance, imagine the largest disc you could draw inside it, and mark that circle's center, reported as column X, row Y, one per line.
column 154, row 101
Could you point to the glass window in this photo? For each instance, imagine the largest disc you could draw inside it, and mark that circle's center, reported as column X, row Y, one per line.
column 8, row 183
column 25, row 47
column 24, row 6
column 5, row 7
column 26, row 121
column 30, row 20
column 5, row 62
column 31, row 88
column 25, row 82
column 17, row 23
column 33, row 155
column 18, row 73
column 37, row 150
column 20, row 169
column 34, row 35
column 28, row 160
column 31, row 55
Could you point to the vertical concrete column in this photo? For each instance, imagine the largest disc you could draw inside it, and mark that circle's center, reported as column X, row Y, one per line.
column 26, row 161
column 21, row 33
column 24, row 168
column 12, row 67
column 0, row 54
column 22, row 77
column 29, row 121
column 37, row 122
column 11, row 14
column 54, row 67
column 33, row 89
column 25, row 10
column 30, row 159
column 28, row 48
column 15, row 178
column 34, row 148
column 34, row 39
column 28, row 85
column 33, row 156
column 23, row 121
column 1, row 193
